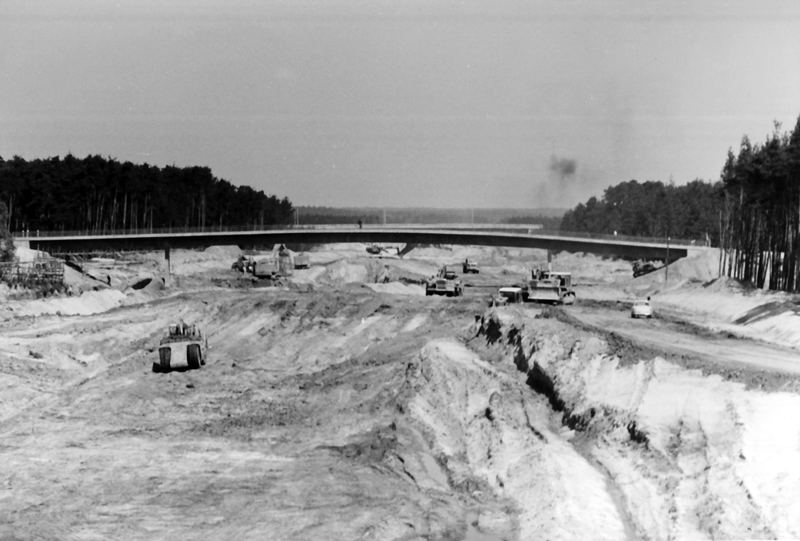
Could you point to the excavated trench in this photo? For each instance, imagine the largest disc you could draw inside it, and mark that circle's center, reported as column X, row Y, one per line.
column 509, row 339
column 677, row 449
column 411, row 417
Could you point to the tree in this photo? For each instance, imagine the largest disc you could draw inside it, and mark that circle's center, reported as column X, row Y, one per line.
column 761, row 212
column 99, row 194
column 650, row 209
column 7, row 248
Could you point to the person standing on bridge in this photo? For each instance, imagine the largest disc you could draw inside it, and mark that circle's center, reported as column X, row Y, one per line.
column 360, row 223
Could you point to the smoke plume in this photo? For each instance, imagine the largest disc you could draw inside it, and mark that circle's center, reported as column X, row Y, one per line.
column 558, row 190
column 562, row 168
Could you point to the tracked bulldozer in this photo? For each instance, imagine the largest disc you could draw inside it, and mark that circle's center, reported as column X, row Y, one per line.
column 182, row 348
column 546, row 286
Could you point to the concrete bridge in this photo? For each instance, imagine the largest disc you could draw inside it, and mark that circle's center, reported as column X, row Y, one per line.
column 609, row 246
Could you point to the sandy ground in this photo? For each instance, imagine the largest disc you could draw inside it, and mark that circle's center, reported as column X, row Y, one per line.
column 341, row 403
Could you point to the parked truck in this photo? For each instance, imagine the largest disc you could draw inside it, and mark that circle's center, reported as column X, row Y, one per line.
column 506, row 295
column 470, row 266
column 262, row 268
column 444, row 283
column 301, row 261
column 266, row 268
column 550, row 287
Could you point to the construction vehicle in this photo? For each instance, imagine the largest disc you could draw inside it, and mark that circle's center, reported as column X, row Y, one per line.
column 266, row 268
column 506, row 295
column 470, row 266
column 182, row 348
column 550, row 287
column 642, row 267
column 444, row 283
column 262, row 268
column 381, row 251
column 301, row 261
column 243, row 264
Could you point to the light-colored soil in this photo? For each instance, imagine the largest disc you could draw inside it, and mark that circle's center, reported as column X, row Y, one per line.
column 341, row 403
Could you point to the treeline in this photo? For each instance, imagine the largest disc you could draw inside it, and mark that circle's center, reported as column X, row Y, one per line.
column 651, row 209
column 548, row 223
column 752, row 212
column 418, row 215
column 7, row 247
column 328, row 219
column 97, row 194
column 336, row 215
column 761, row 212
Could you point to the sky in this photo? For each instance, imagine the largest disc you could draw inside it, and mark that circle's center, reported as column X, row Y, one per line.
column 481, row 104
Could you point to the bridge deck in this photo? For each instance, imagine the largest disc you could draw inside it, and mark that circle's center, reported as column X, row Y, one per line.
column 157, row 241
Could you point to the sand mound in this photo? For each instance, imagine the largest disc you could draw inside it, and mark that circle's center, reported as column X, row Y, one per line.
column 89, row 302
column 344, row 272
column 699, row 265
column 26, row 255
column 307, row 276
column 397, row 288
column 731, row 306
column 223, row 252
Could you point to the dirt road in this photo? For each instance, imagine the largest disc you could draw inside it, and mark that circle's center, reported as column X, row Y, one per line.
column 752, row 362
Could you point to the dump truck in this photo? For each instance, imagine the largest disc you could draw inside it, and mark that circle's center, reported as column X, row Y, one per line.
column 550, row 287
column 470, row 266
column 183, row 347
column 301, row 261
column 266, row 268
column 444, row 283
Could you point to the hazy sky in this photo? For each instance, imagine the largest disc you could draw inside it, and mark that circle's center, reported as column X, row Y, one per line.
column 402, row 103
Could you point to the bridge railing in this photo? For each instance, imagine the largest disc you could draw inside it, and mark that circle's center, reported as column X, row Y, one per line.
column 153, row 231
column 532, row 230
column 624, row 238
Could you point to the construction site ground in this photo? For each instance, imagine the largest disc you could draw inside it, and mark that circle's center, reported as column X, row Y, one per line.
column 342, row 403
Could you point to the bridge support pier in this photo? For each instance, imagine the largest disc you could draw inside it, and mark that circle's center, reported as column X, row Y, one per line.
column 166, row 256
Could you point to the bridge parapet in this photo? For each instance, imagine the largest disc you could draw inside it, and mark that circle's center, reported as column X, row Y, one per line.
column 613, row 246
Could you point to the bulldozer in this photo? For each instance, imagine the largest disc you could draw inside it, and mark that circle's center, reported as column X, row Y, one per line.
column 182, row 348
column 547, row 286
